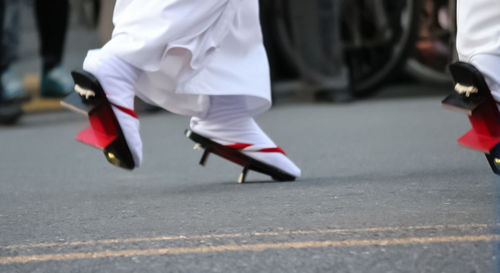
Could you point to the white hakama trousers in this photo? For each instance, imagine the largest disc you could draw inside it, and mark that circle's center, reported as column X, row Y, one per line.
column 201, row 58
column 191, row 49
column 478, row 38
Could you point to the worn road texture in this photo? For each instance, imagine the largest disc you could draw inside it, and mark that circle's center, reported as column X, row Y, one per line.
column 384, row 189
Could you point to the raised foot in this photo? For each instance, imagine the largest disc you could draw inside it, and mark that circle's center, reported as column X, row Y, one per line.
column 236, row 156
column 104, row 131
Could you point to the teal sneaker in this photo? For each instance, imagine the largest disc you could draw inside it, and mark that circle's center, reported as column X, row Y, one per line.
column 12, row 86
column 56, row 83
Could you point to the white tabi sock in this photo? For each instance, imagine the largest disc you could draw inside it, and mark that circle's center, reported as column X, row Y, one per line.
column 228, row 122
column 118, row 78
column 489, row 65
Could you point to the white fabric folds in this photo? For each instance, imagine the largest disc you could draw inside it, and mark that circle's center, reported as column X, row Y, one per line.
column 190, row 49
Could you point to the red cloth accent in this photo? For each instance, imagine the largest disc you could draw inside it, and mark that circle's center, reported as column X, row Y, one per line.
column 102, row 130
column 126, row 110
column 273, row 150
column 239, row 146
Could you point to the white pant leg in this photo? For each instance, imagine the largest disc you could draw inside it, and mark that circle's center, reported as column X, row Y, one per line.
column 489, row 65
column 478, row 38
column 118, row 79
column 478, row 28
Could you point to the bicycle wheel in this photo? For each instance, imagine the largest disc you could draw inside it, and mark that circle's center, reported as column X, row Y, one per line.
column 376, row 38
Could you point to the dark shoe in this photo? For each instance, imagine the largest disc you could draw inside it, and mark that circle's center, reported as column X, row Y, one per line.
column 10, row 113
column 56, row 83
column 12, row 86
column 104, row 131
column 473, row 97
column 280, row 169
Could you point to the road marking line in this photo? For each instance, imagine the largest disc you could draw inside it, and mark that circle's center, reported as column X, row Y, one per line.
column 250, row 247
column 250, row 234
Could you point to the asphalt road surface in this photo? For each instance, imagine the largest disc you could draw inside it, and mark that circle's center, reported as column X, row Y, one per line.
column 384, row 189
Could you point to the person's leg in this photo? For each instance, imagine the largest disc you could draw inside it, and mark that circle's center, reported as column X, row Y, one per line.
column 10, row 32
column 228, row 122
column 118, row 79
column 52, row 23
column 11, row 82
column 121, row 61
column 10, row 111
column 478, row 26
column 105, row 26
column 339, row 87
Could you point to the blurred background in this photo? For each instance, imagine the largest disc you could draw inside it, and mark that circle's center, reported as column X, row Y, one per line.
column 327, row 51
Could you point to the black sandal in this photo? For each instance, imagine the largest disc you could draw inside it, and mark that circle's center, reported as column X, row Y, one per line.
column 104, row 131
column 473, row 97
column 235, row 155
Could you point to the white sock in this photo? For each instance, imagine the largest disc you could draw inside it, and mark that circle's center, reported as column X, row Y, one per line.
column 118, row 78
column 228, row 122
column 489, row 65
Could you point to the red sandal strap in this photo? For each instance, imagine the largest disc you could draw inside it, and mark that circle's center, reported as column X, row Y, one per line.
column 239, row 146
column 125, row 110
column 273, row 150
column 242, row 146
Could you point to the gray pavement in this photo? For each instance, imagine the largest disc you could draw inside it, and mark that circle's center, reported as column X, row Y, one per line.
column 384, row 189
